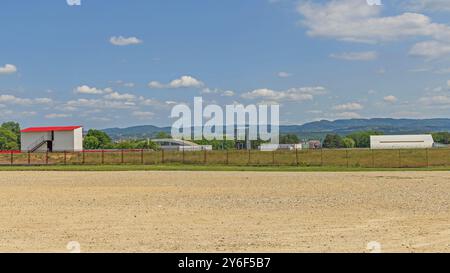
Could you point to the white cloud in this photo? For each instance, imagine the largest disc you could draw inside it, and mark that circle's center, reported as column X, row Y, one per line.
column 351, row 106
column 440, row 100
column 356, row 56
column 84, row 89
column 293, row 94
column 347, row 115
column 430, row 49
column 8, row 69
column 98, row 103
column 208, row 90
column 43, row 100
column 11, row 99
column 143, row 114
column 284, row 74
column 124, row 41
column 223, row 93
column 156, row 84
column 182, row 82
column 28, row 113
column 126, row 84
column 118, row 96
column 354, row 20
column 390, row 99
column 228, row 93
column 54, row 115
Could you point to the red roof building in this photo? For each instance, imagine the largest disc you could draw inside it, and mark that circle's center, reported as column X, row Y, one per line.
column 52, row 139
column 49, row 129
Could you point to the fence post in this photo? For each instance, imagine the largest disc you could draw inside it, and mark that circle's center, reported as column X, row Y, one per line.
column 12, row 158
column 296, row 157
column 83, row 159
column 183, row 155
column 46, row 158
column 65, row 158
column 448, row 158
column 321, row 157
column 428, row 159
column 399, row 158
column 121, row 157
column 346, row 156
column 142, row 156
column 162, row 156
column 103, row 157
column 204, row 157
column 249, row 157
column 29, row 158
column 373, row 158
column 227, row 158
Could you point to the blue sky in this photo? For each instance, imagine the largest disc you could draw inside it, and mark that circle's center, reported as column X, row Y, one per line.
column 122, row 63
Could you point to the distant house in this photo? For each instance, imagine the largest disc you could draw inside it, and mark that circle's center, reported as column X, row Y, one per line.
column 275, row 147
column 52, row 139
column 180, row 145
column 313, row 144
column 401, row 142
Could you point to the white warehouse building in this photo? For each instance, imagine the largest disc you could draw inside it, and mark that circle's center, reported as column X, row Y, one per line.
column 52, row 139
column 401, row 142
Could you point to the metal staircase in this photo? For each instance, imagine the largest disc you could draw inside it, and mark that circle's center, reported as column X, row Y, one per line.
column 38, row 144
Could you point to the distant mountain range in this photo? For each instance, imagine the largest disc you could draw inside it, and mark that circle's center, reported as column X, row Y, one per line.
column 317, row 129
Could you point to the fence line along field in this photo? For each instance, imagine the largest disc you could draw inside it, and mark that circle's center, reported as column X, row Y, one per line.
column 225, row 211
column 365, row 158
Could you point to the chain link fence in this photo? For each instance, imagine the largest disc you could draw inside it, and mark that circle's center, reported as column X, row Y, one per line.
column 364, row 158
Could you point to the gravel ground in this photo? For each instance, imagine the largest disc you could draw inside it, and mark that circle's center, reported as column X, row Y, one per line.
column 224, row 211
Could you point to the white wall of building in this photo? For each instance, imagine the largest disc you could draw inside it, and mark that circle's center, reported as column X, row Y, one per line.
column 401, row 142
column 78, row 140
column 64, row 141
column 29, row 140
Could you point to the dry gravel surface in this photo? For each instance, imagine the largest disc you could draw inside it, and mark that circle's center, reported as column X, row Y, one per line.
column 224, row 211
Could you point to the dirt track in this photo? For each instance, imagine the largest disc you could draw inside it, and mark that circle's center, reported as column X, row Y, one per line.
column 224, row 211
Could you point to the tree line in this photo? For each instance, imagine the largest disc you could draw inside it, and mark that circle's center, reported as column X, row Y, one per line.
column 97, row 140
column 354, row 140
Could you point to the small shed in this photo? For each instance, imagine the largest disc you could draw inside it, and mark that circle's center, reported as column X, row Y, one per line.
column 52, row 139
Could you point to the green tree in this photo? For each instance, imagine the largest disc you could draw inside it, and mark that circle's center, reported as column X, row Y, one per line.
column 104, row 141
column 8, row 140
column 147, row 145
column 333, row 141
column 289, row 139
column 91, row 143
column 218, row 144
column 13, row 127
column 362, row 139
column 442, row 137
column 348, row 143
column 135, row 144
column 162, row 135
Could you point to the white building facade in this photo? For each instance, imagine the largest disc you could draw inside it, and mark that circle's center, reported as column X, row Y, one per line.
column 401, row 142
column 52, row 139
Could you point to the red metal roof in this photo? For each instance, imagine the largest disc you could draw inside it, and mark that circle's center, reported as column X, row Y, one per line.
column 49, row 129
